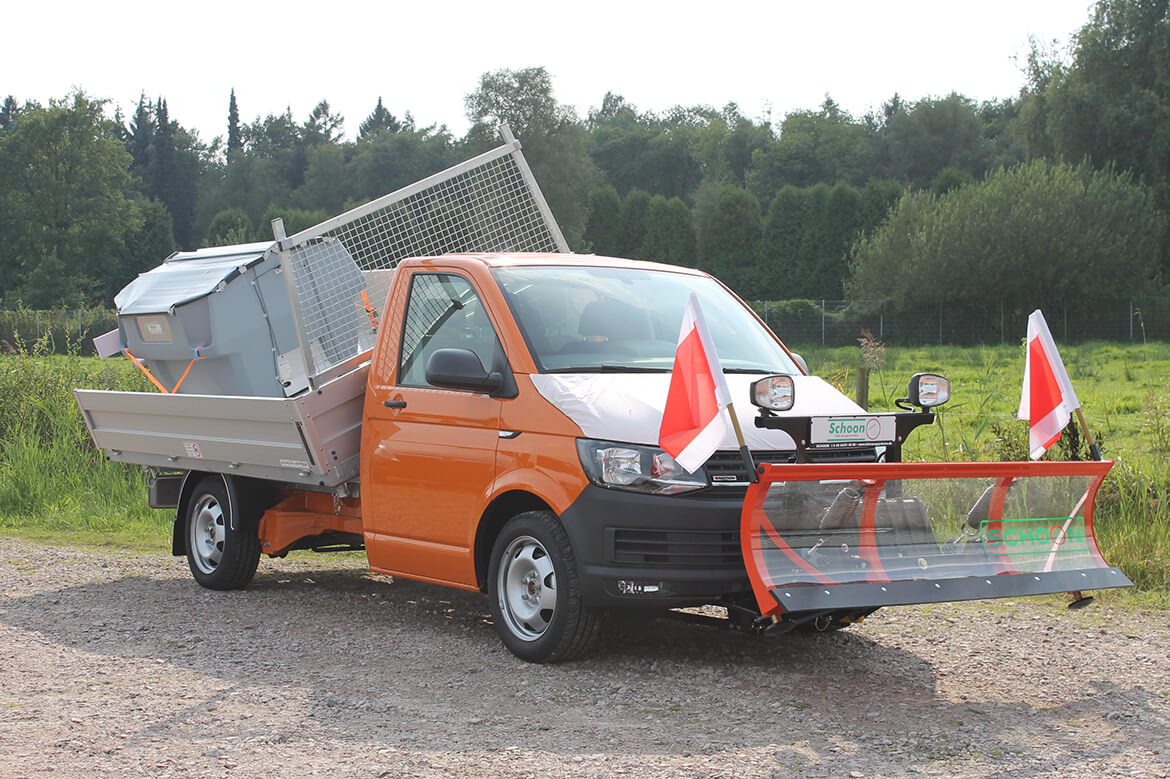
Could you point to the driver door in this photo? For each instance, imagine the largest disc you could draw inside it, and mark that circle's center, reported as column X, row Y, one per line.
column 432, row 450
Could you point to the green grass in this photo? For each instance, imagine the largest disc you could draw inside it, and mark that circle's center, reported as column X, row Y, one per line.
column 1124, row 392
column 55, row 486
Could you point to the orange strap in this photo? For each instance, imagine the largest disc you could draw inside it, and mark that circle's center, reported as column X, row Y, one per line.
column 155, row 381
column 371, row 312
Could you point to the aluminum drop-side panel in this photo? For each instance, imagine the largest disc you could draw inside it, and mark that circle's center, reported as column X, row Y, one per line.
column 312, row 439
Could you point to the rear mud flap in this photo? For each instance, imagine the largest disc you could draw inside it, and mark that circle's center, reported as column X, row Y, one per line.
column 858, row 536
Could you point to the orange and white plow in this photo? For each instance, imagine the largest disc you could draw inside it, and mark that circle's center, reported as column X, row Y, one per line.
column 843, row 539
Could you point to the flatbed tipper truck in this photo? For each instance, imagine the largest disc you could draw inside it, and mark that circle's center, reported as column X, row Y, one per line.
column 432, row 378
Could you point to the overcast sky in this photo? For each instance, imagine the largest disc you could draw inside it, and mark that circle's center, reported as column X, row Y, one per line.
column 769, row 57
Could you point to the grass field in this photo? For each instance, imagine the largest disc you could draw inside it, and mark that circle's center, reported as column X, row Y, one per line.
column 55, row 485
column 1124, row 392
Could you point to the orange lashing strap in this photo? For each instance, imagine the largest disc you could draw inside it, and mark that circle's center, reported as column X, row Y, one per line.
column 155, row 381
column 371, row 312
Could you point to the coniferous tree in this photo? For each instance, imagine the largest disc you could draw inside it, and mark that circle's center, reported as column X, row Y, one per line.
column 8, row 112
column 140, row 136
column 378, row 121
column 670, row 235
column 633, row 232
column 235, row 141
column 604, row 226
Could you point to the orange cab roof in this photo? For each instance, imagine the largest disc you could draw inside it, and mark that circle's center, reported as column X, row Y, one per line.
column 514, row 259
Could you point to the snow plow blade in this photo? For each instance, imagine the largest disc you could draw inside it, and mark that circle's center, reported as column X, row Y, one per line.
column 849, row 538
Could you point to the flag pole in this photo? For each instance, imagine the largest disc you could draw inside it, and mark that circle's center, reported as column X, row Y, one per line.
column 1094, row 451
column 744, row 451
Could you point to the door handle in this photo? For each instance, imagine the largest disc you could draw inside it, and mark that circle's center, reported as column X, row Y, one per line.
column 394, row 403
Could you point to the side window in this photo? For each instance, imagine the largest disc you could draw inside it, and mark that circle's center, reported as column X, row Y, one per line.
column 443, row 312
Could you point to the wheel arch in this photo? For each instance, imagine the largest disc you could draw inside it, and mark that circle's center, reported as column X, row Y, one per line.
column 246, row 496
column 498, row 512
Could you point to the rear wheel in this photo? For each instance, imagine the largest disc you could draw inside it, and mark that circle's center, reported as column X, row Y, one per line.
column 220, row 557
column 534, row 590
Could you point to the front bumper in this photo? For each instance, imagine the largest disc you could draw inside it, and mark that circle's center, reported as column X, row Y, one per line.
column 657, row 551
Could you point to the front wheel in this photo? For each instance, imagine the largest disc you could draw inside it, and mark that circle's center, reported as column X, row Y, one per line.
column 534, row 590
column 221, row 557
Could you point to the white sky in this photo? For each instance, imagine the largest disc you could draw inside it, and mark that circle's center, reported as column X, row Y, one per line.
column 769, row 57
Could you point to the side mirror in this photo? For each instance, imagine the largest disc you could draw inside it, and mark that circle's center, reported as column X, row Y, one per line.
column 774, row 393
column 928, row 390
column 460, row 369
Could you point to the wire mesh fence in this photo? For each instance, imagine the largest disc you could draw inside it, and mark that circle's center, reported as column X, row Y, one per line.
column 342, row 268
column 58, row 330
column 842, row 322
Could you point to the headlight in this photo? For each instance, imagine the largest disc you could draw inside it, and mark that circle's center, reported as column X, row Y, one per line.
column 775, row 393
column 636, row 468
column 928, row 390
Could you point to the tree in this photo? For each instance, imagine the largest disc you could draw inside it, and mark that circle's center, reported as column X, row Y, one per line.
column 603, row 230
column 235, row 139
column 1111, row 104
column 8, row 112
column 553, row 137
column 380, row 120
column 322, row 126
column 633, row 228
column 327, row 184
column 64, row 216
column 916, row 142
column 388, row 161
column 175, row 160
column 729, row 240
column 670, row 235
column 1040, row 235
column 229, row 227
column 140, row 136
column 144, row 247
column 295, row 220
column 824, row 146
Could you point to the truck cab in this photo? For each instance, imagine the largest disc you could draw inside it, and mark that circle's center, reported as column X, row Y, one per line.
column 510, row 438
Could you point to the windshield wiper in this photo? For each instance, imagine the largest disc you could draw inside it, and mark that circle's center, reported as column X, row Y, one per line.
column 748, row 370
column 609, row 368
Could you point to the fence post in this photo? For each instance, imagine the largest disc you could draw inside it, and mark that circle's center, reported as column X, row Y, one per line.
column 822, row 323
column 1131, row 320
column 940, row 324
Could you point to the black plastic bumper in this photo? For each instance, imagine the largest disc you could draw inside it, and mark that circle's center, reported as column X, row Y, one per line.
column 669, row 551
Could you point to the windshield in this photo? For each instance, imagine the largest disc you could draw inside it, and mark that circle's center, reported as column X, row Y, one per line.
column 580, row 320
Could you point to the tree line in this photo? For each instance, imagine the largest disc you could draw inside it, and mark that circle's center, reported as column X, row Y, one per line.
column 935, row 201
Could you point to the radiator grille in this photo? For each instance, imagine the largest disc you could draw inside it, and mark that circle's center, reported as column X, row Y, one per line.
column 728, row 468
column 690, row 548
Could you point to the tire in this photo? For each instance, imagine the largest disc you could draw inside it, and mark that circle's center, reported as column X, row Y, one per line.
column 534, row 589
column 220, row 558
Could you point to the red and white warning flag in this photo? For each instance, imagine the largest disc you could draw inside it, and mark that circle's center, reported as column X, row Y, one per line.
column 1048, row 400
column 693, row 422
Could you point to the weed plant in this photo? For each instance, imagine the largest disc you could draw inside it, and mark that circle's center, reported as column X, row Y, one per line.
column 53, row 481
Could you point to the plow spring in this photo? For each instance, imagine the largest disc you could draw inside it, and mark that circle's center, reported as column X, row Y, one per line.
column 848, row 538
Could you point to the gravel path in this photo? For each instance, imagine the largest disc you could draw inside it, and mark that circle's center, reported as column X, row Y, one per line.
column 121, row 665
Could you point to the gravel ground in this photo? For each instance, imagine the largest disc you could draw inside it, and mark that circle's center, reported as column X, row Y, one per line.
column 121, row 665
